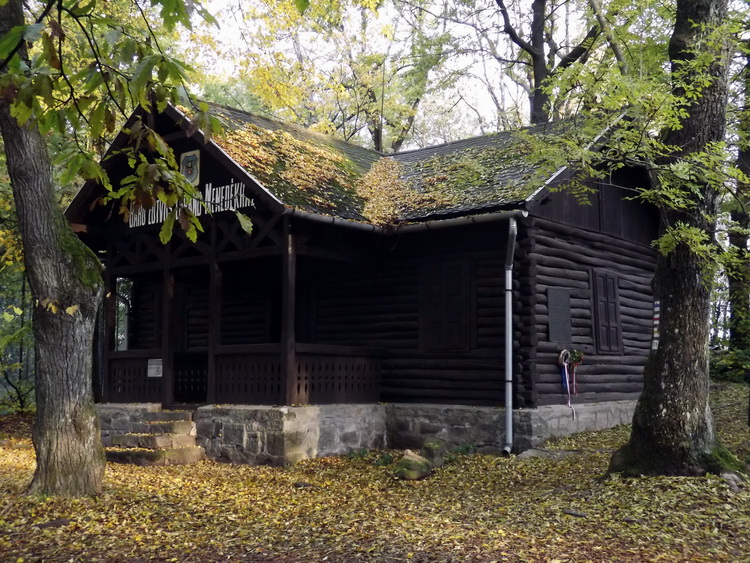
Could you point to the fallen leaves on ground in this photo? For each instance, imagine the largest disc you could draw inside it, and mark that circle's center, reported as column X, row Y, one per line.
column 476, row 508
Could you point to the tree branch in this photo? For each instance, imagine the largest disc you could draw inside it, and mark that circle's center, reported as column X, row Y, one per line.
column 511, row 31
column 577, row 52
column 613, row 44
column 19, row 45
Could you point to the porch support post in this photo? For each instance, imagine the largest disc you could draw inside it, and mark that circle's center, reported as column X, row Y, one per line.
column 110, row 318
column 214, row 328
column 167, row 336
column 288, row 315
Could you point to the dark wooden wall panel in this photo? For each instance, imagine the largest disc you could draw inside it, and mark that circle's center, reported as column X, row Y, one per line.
column 378, row 304
column 250, row 300
column 609, row 209
column 566, row 257
column 144, row 324
column 193, row 317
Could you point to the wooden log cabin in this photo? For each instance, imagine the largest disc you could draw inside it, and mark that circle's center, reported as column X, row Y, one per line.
column 369, row 278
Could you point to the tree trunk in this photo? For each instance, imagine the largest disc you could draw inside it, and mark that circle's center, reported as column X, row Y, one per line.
column 739, row 277
column 539, row 97
column 65, row 283
column 739, row 284
column 672, row 430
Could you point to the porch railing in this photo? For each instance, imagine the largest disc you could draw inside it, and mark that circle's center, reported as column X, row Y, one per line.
column 128, row 377
column 323, row 374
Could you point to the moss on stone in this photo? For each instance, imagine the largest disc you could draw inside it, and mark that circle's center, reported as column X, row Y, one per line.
column 412, row 467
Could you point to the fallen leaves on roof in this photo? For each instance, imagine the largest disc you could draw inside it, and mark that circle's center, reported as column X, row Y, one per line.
column 299, row 173
column 387, row 197
column 320, row 174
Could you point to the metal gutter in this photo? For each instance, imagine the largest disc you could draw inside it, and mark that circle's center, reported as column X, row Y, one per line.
column 331, row 220
column 406, row 227
column 512, row 232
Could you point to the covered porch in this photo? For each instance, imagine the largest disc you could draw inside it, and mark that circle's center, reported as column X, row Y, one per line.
column 223, row 321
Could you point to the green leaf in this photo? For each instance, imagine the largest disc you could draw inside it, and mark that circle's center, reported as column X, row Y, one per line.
column 245, row 222
column 142, row 75
column 173, row 12
column 79, row 9
column 302, row 5
column 165, row 234
column 33, row 32
column 21, row 112
column 11, row 39
column 96, row 120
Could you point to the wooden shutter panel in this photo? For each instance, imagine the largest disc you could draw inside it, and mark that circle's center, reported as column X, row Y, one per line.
column 431, row 333
column 457, row 307
column 600, row 292
column 613, row 313
column 608, row 331
column 559, row 323
column 446, row 307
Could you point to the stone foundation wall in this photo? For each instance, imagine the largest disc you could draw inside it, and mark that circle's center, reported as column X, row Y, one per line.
column 533, row 427
column 121, row 418
column 483, row 428
column 285, row 435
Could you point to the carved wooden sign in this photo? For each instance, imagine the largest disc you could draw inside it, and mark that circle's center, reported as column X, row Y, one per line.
column 229, row 197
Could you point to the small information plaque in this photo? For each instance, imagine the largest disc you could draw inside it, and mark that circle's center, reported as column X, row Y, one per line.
column 154, row 367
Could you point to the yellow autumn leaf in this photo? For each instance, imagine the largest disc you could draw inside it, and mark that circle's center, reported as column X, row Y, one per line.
column 72, row 310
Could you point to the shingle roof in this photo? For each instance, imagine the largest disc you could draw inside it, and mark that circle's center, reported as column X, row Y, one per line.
column 320, row 174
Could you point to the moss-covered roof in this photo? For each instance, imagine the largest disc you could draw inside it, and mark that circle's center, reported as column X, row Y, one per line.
column 320, row 174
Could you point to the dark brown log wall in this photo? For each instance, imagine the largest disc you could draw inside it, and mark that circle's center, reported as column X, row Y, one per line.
column 379, row 304
column 144, row 324
column 555, row 255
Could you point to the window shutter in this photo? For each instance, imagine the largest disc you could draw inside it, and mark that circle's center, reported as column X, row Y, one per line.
column 446, row 307
column 431, row 310
column 607, row 318
column 613, row 314
column 559, row 322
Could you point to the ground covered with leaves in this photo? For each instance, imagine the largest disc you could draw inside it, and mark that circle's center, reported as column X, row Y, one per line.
column 475, row 508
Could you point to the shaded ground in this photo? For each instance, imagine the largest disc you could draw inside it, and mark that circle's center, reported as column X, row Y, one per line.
column 476, row 508
column 16, row 426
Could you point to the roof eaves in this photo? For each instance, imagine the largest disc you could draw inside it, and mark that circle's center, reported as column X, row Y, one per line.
column 546, row 184
column 562, row 169
column 89, row 186
column 448, row 214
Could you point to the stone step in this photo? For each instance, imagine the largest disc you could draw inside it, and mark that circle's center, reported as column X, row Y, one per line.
column 167, row 416
column 173, row 427
column 166, row 456
column 153, row 441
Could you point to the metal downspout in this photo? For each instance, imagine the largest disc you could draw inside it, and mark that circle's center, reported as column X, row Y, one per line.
column 512, row 232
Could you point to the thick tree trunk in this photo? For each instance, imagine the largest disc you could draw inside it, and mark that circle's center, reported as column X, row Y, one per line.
column 672, row 426
column 539, row 97
column 65, row 282
column 739, row 284
column 739, row 277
